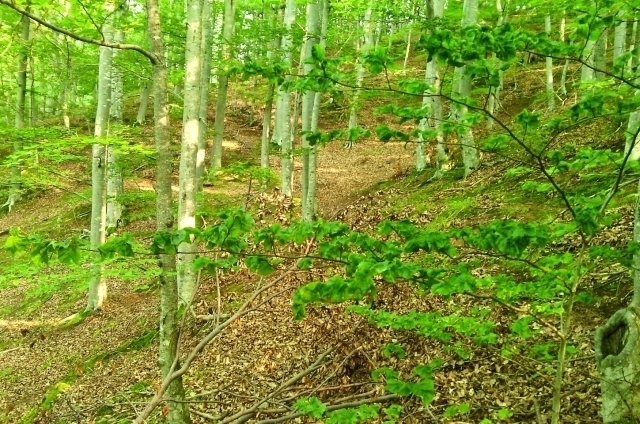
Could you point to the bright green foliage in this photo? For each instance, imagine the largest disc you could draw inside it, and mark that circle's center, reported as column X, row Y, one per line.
column 312, row 407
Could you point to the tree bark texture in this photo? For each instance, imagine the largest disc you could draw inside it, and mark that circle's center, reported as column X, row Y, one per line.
column 189, row 150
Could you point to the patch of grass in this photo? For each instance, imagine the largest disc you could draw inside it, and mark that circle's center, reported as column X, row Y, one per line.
column 138, row 206
column 458, row 207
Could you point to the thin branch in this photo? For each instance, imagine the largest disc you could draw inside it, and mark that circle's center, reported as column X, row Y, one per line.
column 119, row 46
column 195, row 352
column 331, row 408
column 251, row 410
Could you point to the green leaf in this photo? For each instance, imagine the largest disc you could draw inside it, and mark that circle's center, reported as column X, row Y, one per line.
column 312, row 407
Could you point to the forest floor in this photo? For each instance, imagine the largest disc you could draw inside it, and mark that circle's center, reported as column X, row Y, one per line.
column 104, row 370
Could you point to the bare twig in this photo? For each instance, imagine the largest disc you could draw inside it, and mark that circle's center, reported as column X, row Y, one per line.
column 251, row 410
column 195, row 352
column 119, row 46
column 331, row 408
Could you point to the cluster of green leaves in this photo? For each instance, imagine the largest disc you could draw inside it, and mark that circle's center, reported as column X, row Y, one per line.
column 315, row 408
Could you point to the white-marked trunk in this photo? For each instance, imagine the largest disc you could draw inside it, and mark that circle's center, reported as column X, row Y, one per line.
column 97, row 286
column 282, row 126
column 189, row 150
column 551, row 95
column 144, row 102
column 470, row 157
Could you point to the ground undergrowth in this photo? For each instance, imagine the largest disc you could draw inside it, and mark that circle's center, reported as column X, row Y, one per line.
column 104, row 369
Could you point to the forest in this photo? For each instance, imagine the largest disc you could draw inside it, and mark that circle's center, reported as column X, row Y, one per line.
column 319, row 211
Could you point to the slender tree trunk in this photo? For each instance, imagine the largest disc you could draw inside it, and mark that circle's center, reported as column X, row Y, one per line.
column 169, row 330
column 470, row 157
column 207, row 51
column 435, row 10
column 635, row 56
column 369, row 39
column 223, row 84
column 308, row 102
column 268, row 108
column 600, row 54
column 189, row 150
column 632, row 42
column 620, row 40
column 494, row 92
column 16, row 180
column 117, row 91
column 115, row 186
column 144, row 102
column 33, row 104
column 282, row 127
column 313, row 151
column 97, row 286
column 551, row 95
column 407, row 51
column 587, row 73
column 565, row 68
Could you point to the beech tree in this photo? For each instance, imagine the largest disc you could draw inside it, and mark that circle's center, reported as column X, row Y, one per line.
column 189, row 151
column 282, row 125
column 223, row 82
column 540, row 268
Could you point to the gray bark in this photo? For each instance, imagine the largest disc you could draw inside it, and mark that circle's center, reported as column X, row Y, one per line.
column 115, row 186
column 308, row 102
column 600, row 54
column 368, row 34
column 551, row 95
column 207, row 52
column 223, row 84
column 169, row 325
column 144, row 102
column 282, row 127
column 189, row 150
column 617, row 347
column 620, row 40
column 470, row 157
column 23, row 56
column 97, row 286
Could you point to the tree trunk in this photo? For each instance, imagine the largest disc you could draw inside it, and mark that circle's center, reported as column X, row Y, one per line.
column 565, row 68
column 223, row 84
column 33, row 104
column 189, row 150
column 308, row 102
column 144, row 101
column 600, row 54
column 551, row 95
column 435, row 10
column 470, row 157
column 114, row 172
column 23, row 56
column 635, row 56
column 117, row 91
column 282, row 127
column 368, row 34
column 207, row 52
column 97, row 286
column 587, row 73
column 617, row 348
column 169, row 330
column 313, row 152
column 620, row 40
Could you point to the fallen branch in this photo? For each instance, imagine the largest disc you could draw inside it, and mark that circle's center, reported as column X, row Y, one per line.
column 330, row 408
column 251, row 410
column 174, row 374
